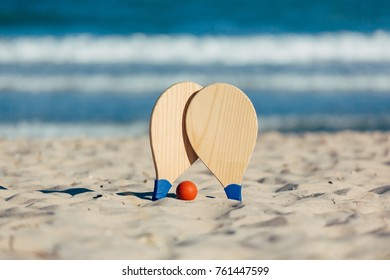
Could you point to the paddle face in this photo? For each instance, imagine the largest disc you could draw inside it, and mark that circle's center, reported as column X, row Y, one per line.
column 221, row 124
column 172, row 152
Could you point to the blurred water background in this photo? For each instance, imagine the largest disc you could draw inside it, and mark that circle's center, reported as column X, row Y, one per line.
column 96, row 67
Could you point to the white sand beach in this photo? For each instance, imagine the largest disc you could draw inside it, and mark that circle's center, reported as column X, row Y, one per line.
column 309, row 196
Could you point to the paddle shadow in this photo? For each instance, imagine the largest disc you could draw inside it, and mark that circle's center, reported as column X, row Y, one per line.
column 72, row 192
column 3, row 188
column 143, row 195
column 76, row 191
column 190, row 151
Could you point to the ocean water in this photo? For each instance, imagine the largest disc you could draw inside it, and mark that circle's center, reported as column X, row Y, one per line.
column 96, row 67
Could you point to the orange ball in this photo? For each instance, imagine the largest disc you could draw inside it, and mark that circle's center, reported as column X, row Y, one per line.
column 186, row 190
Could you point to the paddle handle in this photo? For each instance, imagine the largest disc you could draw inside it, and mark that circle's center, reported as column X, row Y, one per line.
column 233, row 191
column 161, row 189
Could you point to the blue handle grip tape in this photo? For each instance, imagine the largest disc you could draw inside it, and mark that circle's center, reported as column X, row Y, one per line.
column 233, row 191
column 161, row 189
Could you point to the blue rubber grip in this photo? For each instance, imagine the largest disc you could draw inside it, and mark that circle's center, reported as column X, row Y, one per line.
column 161, row 189
column 233, row 191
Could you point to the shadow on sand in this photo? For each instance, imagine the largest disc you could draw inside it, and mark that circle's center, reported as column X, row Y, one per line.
column 143, row 195
column 72, row 192
column 76, row 191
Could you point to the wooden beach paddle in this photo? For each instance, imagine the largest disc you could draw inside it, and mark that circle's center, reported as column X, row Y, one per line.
column 221, row 124
column 171, row 150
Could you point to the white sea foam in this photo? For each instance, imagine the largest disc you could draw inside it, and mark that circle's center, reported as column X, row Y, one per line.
column 203, row 50
column 266, row 123
column 155, row 83
column 42, row 129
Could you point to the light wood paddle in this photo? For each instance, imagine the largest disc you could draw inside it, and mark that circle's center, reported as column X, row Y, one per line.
column 221, row 124
column 171, row 150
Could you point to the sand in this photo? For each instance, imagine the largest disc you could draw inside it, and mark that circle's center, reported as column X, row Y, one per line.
column 309, row 196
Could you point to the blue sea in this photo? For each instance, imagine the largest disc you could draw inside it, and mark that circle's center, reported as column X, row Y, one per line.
column 96, row 67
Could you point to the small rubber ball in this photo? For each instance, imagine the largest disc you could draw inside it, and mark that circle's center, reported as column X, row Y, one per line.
column 186, row 190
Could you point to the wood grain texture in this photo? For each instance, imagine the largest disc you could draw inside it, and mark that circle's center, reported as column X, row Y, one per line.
column 171, row 150
column 221, row 124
